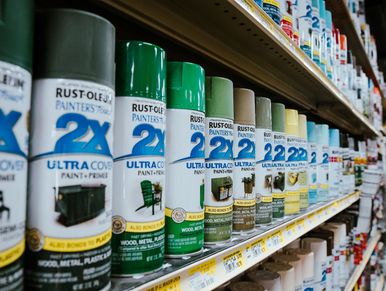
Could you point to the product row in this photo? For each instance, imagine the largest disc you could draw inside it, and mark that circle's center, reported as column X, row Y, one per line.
column 310, row 26
column 176, row 160
column 323, row 259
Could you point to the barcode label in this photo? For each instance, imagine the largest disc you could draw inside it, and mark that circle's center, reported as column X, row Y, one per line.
column 233, row 262
column 256, row 249
column 200, row 281
column 290, row 231
column 275, row 240
column 203, row 275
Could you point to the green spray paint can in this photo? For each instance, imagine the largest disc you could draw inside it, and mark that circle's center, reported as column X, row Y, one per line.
column 263, row 161
column 218, row 159
column 70, row 179
column 139, row 159
column 279, row 147
column 185, row 159
column 16, row 19
column 244, row 205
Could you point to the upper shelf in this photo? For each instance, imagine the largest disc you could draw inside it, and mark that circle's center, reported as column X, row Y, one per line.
column 239, row 35
column 343, row 20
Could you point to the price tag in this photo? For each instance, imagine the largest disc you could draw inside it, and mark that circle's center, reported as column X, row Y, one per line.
column 301, row 225
column 169, row 285
column 203, row 275
column 319, row 214
column 311, row 219
column 233, row 262
column 276, row 240
column 335, row 207
column 290, row 231
column 256, row 250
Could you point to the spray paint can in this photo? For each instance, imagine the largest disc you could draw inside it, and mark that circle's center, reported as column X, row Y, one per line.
column 286, row 22
column 185, row 159
column 315, row 43
column 244, row 205
column 278, row 160
column 343, row 77
column 330, row 55
column 322, row 136
column 312, row 164
column 263, row 161
column 295, row 26
column 304, row 18
column 323, row 44
column 303, row 162
column 352, row 169
column 292, row 199
column 319, row 248
column 16, row 31
column 345, row 178
column 272, row 8
column 139, row 161
column 218, row 160
column 335, row 164
column 71, row 153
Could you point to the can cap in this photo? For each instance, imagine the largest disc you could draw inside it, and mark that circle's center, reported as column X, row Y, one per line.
column 343, row 42
column 328, row 19
column 343, row 140
column 141, row 70
column 322, row 134
column 334, row 137
column 322, row 9
column 315, row 4
column 219, row 97
column 278, row 117
column 311, row 134
column 291, row 122
column 263, row 113
column 16, row 32
column 302, row 126
column 185, row 86
column 244, row 103
column 351, row 143
column 74, row 44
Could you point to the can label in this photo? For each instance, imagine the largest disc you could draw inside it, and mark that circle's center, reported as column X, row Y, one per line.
column 345, row 180
column 335, row 169
column 312, row 174
column 272, row 8
column 185, row 165
column 244, row 207
column 286, row 24
column 320, row 276
column 315, row 36
column 218, row 179
column 322, row 172
column 308, row 284
column 263, row 176
column 303, row 173
column 336, row 268
column 71, row 179
column 358, row 169
column 278, row 174
column 292, row 199
column 323, row 45
column 15, row 98
column 139, row 182
column 330, row 53
column 305, row 25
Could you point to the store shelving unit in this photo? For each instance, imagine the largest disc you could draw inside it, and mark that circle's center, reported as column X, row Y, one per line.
column 217, row 265
column 239, row 35
column 366, row 257
column 343, row 20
